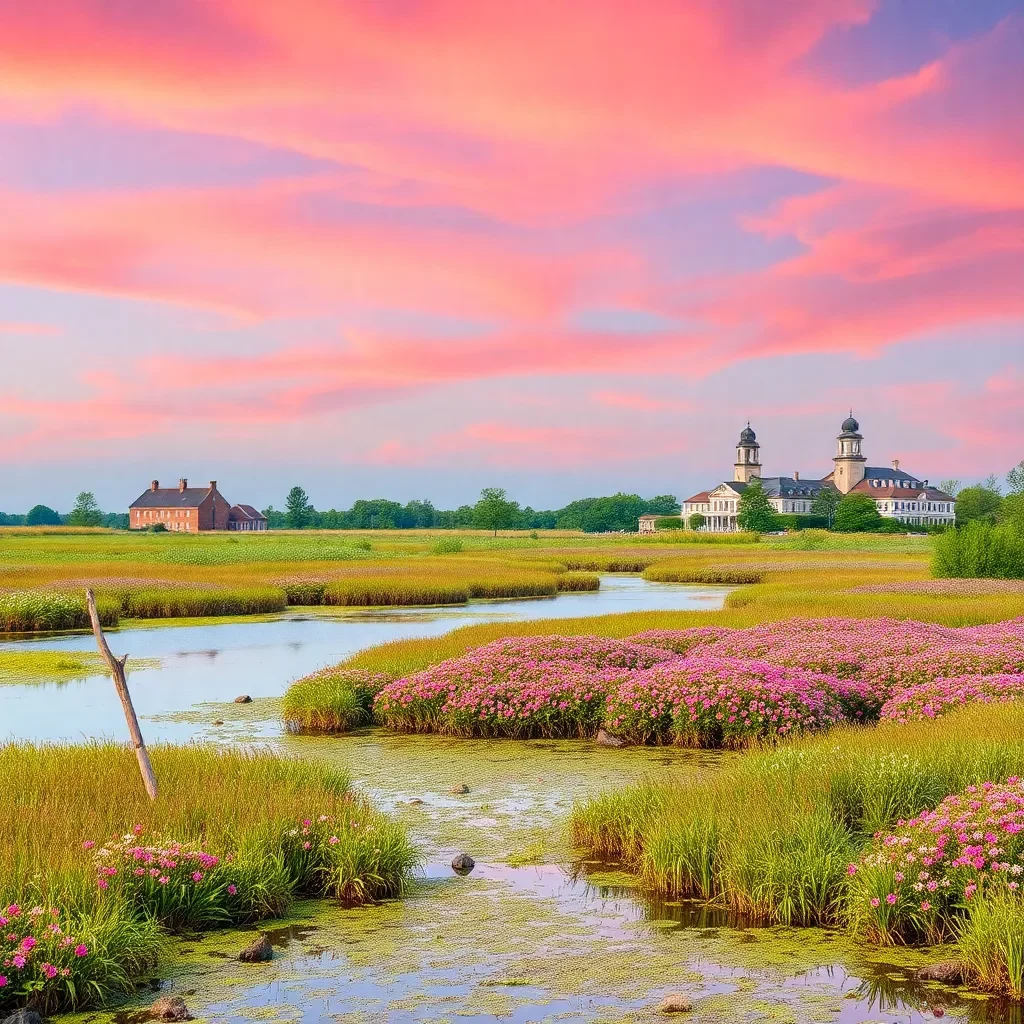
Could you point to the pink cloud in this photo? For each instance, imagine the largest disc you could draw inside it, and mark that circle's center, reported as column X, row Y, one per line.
column 34, row 330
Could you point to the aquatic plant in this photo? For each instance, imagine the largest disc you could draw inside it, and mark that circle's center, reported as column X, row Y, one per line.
column 990, row 939
column 332, row 700
column 922, row 875
column 939, row 696
column 577, row 582
column 189, row 602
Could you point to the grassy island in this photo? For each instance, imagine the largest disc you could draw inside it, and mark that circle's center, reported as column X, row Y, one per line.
column 93, row 875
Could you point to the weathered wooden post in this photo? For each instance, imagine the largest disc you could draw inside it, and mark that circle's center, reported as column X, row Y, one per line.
column 117, row 669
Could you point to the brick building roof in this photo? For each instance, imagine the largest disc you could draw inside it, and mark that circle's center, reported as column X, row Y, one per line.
column 246, row 512
column 172, row 497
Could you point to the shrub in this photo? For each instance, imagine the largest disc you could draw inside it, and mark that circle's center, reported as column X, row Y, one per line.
column 332, row 700
column 978, row 550
column 447, row 546
column 705, row 701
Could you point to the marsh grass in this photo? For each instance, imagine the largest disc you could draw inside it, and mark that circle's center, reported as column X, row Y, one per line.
column 332, row 700
column 194, row 602
column 771, row 834
column 246, row 804
column 991, row 941
column 578, row 582
column 48, row 611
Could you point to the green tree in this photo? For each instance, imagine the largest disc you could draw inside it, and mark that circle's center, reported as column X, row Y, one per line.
column 42, row 515
column 494, row 511
column 950, row 486
column 663, row 505
column 1015, row 479
column 276, row 520
column 298, row 509
column 755, row 511
column 980, row 504
column 86, row 511
column 857, row 513
column 824, row 504
column 697, row 521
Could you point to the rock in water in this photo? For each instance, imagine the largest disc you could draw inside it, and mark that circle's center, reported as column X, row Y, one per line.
column 675, row 1002
column 463, row 864
column 257, row 952
column 953, row 972
column 460, row 789
column 170, row 1008
column 23, row 1017
column 219, row 721
column 606, row 739
column 244, row 699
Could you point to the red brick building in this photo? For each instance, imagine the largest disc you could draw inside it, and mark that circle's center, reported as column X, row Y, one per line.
column 181, row 509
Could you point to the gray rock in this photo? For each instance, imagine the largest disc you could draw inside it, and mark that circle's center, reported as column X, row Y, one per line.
column 170, row 1008
column 606, row 739
column 952, row 972
column 675, row 1002
column 23, row 1016
column 257, row 952
column 244, row 699
column 462, row 864
column 460, row 789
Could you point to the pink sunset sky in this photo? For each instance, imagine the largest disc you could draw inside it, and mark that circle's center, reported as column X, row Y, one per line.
column 409, row 248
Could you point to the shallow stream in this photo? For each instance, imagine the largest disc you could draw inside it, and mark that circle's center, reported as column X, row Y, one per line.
column 533, row 933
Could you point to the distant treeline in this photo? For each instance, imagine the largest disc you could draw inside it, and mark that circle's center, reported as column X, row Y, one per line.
column 493, row 511
column 592, row 515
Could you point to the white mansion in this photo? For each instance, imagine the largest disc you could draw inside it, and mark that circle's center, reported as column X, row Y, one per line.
column 897, row 493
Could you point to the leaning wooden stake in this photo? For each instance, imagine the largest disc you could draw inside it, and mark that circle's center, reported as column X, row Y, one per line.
column 117, row 668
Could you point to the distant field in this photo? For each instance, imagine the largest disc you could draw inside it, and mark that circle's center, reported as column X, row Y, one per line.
column 43, row 573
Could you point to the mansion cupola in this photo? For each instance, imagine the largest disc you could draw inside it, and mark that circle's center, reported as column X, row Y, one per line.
column 748, row 461
column 849, row 461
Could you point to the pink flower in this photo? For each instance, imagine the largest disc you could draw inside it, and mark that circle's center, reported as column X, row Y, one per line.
column 306, row 845
column 3, row 980
column 334, row 840
column 28, row 943
column 102, row 883
column 49, row 970
column 926, row 906
column 19, row 960
column 875, row 901
column 81, row 949
column 232, row 889
column 891, row 899
column 88, row 844
column 197, row 876
column 851, row 869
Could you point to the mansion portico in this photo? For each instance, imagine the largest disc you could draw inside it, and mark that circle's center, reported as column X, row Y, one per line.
column 897, row 493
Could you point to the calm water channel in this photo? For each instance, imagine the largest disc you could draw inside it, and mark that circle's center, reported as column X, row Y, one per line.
column 532, row 934
column 216, row 663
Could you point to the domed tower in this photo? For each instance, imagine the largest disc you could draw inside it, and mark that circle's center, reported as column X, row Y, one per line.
column 748, row 462
column 849, row 463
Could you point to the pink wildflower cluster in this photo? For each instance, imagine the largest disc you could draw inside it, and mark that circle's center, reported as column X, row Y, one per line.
column 35, row 949
column 682, row 641
column 529, row 686
column 709, row 701
column 884, row 655
column 934, row 698
column 921, row 875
